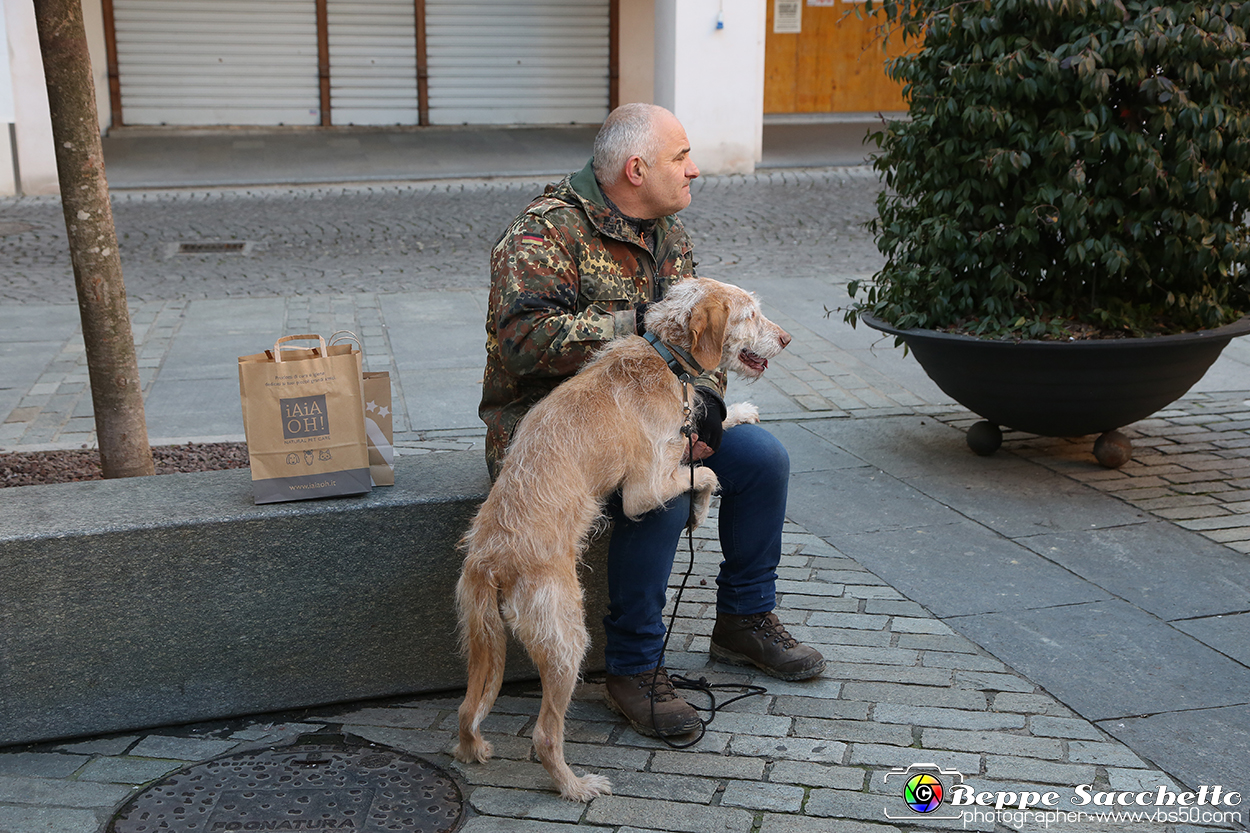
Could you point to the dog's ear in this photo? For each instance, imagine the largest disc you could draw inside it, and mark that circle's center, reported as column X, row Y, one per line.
column 708, row 321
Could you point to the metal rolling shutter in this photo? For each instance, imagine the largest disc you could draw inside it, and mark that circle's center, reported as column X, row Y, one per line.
column 373, row 61
column 202, row 62
column 517, row 61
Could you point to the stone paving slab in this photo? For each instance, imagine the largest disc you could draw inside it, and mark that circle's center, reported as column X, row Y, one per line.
column 1139, row 563
column 965, row 555
column 139, row 158
column 1200, row 754
column 1189, row 464
column 1227, row 633
column 1138, row 673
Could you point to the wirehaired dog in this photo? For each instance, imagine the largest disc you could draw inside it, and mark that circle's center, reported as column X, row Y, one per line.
column 616, row 424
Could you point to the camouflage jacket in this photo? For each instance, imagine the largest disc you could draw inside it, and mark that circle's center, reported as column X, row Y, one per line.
column 565, row 279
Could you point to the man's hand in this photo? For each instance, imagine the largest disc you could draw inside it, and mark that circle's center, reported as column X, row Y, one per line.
column 701, row 450
column 708, row 430
column 709, row 418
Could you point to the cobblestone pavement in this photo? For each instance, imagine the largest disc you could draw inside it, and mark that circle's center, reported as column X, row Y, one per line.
column 813, row 756
column 1189, row 465
column 396, row 238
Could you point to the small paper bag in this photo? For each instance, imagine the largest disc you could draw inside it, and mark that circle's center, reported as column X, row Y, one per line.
column 303, row 416
column 379, row 427
column 379, row 424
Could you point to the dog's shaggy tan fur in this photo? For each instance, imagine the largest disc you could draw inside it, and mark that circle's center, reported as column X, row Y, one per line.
column 616, row 424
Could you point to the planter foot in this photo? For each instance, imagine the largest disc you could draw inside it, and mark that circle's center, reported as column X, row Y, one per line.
column 984, row 438
column 1113, row 449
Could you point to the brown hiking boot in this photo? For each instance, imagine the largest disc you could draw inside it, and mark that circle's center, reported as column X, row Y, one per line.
column 761, row 640
column 632, row 697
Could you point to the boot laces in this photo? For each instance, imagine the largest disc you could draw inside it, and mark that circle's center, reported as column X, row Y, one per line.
column 661, row 690
column 774, row 630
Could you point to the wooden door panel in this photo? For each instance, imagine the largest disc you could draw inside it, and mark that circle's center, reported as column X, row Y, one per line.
column 836, row 64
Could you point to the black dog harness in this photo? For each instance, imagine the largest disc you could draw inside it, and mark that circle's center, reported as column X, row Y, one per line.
column 666, row 352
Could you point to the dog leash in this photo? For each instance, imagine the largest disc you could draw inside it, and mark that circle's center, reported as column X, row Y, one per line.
column 679, row 681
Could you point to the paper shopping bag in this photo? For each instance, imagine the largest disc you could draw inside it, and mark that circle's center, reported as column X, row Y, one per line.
column 379, row 424
column 379, row 427
column 303, row 416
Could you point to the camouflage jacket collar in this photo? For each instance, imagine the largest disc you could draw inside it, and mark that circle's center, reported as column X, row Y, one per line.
column 582, row 189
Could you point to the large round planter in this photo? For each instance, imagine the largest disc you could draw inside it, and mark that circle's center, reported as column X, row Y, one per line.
column 1065, row 388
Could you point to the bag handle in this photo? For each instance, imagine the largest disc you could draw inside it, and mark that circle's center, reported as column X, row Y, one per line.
column 346, row 334
column 277, row 345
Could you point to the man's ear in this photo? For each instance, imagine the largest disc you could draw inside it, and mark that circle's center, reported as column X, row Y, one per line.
column 708, row 321
column 635, row 170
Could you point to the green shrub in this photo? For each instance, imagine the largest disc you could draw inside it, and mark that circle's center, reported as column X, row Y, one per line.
column 1066, row 162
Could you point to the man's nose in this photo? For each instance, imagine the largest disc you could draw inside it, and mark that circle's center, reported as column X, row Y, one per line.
column 692, row 170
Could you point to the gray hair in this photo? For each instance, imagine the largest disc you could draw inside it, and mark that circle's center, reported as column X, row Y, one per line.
column 629, row 130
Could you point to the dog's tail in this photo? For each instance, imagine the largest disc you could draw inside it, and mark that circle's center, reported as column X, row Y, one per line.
column 483, row 640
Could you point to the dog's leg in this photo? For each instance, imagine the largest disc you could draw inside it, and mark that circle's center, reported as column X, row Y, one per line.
column 553, row 630
column 482, row 631
column 558, row 682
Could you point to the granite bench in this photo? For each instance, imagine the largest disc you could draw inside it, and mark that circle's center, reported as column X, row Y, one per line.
column 129, row 604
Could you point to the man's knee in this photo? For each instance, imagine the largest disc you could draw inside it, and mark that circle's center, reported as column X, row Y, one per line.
column 753, row 454
column 773, row 455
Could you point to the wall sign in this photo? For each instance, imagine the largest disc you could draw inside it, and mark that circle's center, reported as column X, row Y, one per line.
column 787, row 17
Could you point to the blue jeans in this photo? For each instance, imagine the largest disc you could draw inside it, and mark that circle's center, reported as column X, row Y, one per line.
column 754, row 473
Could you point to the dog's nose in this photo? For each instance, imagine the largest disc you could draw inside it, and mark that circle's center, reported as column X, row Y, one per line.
column 784, row 338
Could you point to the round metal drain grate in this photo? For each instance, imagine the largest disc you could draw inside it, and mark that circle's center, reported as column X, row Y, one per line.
column 321, row 785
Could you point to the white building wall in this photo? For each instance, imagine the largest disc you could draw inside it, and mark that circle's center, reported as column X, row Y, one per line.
column 27, row 158
column 36, row 161
column 93, row 21
column 713, row 78
column 8, row 115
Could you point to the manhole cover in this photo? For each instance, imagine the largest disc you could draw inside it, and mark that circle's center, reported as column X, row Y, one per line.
column 321, row 785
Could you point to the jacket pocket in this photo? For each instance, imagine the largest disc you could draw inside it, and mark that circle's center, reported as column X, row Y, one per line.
column 609, row 291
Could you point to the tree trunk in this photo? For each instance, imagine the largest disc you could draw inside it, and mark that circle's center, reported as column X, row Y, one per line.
column 116, row 391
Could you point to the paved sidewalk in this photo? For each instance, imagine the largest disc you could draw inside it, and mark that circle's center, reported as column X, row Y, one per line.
column 215, row 157
column 902, row 688
column 1030, row 620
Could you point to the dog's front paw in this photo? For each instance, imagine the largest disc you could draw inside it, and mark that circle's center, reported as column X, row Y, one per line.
column 705, row 485
column 473, row 749
column 705, row 481
column 585, row 788
column 741, row 412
